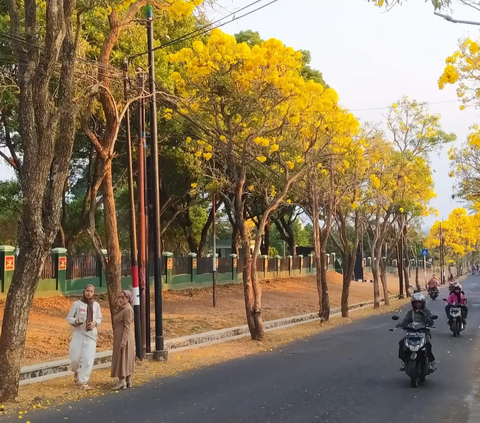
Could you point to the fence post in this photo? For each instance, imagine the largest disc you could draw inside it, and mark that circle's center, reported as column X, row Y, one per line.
column 168, row 259
column 193, row 266
column 301, row 262
column 7, row 266
column 265, row 266
column 59, row 256
column 327, row 260
column 278, row 265
column 333, row 260
column 233, row 257
column 290, row 265
column 310, row 263
column 100, row 269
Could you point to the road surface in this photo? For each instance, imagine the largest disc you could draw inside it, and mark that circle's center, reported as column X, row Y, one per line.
column 346, row 375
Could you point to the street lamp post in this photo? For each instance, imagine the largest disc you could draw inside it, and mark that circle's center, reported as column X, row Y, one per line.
column 160, row 352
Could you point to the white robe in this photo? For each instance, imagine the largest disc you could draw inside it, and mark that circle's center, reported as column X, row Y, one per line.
column 84, row 343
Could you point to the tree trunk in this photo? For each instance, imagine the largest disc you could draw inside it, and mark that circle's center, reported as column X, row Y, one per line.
column 325, row 303
column 406, row 262
column 348, row 266
column 257, row 302
column 113, row 268
column 15, row 318
column 400, row 269
column 251, row 295
column 376, row 281
column 266, row 240
column 44, row 170
column 202, row 245
column 417, row 280
column 383, row 278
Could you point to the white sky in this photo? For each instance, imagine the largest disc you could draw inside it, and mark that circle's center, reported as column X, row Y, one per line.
column 371, row 58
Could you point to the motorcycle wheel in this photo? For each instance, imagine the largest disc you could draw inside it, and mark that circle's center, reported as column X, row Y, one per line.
column 458, row 326
column 414, row 382
column 412, row 371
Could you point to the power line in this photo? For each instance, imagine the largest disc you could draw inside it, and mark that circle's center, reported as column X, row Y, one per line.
column 204, row 29
column 387, row 107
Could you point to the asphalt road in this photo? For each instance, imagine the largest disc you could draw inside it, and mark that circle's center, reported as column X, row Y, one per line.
column 346, row 375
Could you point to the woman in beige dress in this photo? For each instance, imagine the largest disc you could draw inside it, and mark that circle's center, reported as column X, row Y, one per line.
column 123, row 358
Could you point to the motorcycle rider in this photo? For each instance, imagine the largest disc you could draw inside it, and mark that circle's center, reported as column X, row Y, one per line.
column 457, row 296
column 451, row 283
column 419, row 313
column 432, row 283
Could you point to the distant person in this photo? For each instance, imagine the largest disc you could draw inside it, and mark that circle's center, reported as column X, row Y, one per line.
column 123, row 358
column 433, row 282
column 85, row 316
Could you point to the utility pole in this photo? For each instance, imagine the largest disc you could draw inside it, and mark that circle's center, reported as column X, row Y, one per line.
column 442, row 274
column 214, row 236
column 133, row 231
column 160, row 352
column 142, row 234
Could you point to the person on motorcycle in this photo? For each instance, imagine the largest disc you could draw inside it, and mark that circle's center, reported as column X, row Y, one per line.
column 419, row 313
column 451, row 283
column 458, row 297
column 432, row 283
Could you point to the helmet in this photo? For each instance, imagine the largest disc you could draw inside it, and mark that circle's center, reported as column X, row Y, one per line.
column 457, row 286
column 418, row 297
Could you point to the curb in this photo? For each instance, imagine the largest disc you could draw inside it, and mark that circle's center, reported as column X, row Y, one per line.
column 42, row 372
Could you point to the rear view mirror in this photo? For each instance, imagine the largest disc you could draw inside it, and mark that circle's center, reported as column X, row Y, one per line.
column 434, row 317
column 391, row 330
column 444, row 299
column 395, row 318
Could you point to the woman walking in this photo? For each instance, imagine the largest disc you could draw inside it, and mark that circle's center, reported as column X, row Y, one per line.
column 123, row 359
column 85, row 316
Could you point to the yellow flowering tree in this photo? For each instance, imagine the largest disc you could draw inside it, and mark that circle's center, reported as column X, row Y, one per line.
column 327, row 184
column 460, row 232
column 349, row 181
column 412, row 127
column 259, row 121
column 463, row 70
column 399, row 185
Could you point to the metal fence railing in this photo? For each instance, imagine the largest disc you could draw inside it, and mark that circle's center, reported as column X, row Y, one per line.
column 82, row 267
column 48, row 271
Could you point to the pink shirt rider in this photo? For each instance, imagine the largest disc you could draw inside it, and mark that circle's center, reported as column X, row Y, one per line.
column 432, row 283
column 453, row 299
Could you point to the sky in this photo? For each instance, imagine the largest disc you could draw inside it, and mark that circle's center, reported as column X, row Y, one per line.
column 371, row 58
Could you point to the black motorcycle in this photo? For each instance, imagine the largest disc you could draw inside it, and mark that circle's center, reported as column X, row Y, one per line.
column 416, row 366
column 433, row 293
column 455, row 320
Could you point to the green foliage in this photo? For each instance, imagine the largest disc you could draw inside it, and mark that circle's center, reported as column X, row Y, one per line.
column 10, row 209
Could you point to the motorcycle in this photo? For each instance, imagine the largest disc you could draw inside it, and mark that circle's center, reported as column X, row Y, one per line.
column 433, row 293
column 416, row 367
column 456, row 320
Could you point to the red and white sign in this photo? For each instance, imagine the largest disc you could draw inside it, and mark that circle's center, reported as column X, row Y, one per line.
column 9, row 263
column 170, row 264
column 62, row 263
column 194, row 263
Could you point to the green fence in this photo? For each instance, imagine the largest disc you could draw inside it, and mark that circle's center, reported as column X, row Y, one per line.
column 68, row 275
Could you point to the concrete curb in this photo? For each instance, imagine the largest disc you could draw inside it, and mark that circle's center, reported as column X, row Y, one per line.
column 54, row 369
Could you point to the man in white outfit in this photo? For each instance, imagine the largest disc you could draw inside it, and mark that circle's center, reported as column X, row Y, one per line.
column 85, row 316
